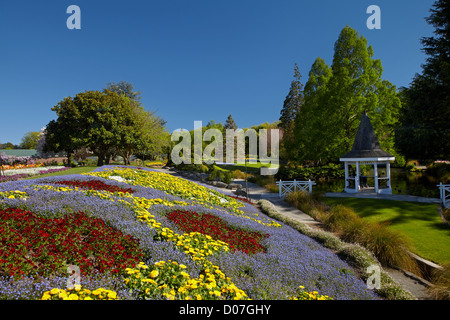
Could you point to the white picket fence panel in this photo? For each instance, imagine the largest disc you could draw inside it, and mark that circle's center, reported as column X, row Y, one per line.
column 445, row 194
column 293, row 186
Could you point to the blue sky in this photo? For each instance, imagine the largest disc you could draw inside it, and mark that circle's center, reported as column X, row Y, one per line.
column 192, row 59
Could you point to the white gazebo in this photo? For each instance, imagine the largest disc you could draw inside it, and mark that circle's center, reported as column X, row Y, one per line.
column 367, row 151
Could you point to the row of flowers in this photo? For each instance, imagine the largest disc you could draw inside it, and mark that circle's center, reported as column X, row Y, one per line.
column 180, row 261
column 14, row 175
column 21, row 166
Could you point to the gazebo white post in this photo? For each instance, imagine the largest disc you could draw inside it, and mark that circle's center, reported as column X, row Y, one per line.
column 388, row 174
column 375, row 171
column 346, row 174
column 357, row 177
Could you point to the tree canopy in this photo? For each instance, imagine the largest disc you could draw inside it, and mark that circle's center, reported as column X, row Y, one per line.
column 424, row 133
column 106, row 123
column 29, row 140
column 335, row 98
column 293, row 101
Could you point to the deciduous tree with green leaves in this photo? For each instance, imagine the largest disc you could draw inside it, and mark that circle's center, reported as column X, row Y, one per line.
column 29, row 140
column 103, row 122
column 334, row 104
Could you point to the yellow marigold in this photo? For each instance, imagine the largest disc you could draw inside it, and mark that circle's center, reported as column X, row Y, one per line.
column 46, row 296
column 154, row 274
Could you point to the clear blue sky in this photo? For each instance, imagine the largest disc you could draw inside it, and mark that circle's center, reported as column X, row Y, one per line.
column 192, row 59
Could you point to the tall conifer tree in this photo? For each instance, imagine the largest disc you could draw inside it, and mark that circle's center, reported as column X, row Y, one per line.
column 424, row 132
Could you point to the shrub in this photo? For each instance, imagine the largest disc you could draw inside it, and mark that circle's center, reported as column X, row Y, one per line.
column 330, row 171
column 238, row 174
column 222, row 175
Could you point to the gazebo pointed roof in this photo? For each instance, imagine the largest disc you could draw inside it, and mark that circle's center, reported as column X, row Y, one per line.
column 366, row 143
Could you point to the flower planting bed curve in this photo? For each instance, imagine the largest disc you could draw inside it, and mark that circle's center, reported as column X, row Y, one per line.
column 150, row 235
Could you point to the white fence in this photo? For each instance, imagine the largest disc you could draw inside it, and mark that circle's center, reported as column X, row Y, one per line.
column 293, row 186
column 445, row 193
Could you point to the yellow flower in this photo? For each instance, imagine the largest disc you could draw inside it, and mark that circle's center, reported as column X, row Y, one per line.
column 154, row 274
column 96, row 292
column 73, row 296
column 54, row 291
column 46, row 296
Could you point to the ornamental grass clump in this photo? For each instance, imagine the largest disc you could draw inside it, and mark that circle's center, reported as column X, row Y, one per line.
column 390, row 247
column 441, row 284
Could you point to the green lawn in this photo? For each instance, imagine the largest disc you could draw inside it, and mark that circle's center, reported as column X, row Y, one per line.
column 421, row 222
column 76, row 170
column 251, row 167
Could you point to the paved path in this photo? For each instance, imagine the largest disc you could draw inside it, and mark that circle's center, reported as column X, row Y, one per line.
column 372, row 195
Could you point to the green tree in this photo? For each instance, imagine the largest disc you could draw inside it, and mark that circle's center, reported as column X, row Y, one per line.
column 8, row 146
column 309, row 126
column 336, row 104
column 104, row 122
column 293, row 101
column 291, row 107
column 29, row 140
column 230, row 124
column 124, row 88
column 424, row 132
column 140, row 131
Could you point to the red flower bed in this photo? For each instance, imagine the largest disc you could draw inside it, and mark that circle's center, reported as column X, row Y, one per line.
column 241, row 199
column 94, row 185
column 238, row 239
column 30, row 244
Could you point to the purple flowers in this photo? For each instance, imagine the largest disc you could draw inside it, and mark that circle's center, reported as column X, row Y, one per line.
column 290, row 260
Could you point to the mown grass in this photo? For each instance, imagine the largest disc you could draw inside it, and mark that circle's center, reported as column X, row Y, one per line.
column 420, row 222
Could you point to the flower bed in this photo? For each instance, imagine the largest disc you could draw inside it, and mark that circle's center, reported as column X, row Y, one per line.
column 21, row 173
column 34, row 245
column 94, row 185
column 242, row 240
column 196, row 243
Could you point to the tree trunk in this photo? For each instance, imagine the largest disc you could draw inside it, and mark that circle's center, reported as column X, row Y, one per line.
column 69, row 158
column 101, row 159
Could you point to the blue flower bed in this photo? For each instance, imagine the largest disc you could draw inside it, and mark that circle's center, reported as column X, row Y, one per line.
column 291, row 258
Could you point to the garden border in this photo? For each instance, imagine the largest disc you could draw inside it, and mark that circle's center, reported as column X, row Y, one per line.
column 359, row 257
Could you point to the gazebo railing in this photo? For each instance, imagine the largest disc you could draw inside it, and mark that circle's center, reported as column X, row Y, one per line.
column 445, row 194
column 292, row 186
